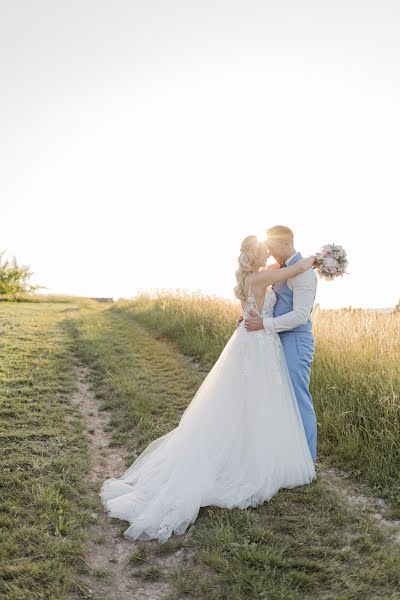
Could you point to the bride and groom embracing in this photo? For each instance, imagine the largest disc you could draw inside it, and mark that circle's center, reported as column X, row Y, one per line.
column 250, row 429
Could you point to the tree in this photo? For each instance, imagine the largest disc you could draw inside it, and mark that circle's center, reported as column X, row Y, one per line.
column 15, row 278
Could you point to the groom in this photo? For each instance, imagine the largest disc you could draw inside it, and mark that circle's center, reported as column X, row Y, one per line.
column 291, row 319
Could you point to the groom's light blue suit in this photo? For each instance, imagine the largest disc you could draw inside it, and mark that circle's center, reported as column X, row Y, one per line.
column 298, row 345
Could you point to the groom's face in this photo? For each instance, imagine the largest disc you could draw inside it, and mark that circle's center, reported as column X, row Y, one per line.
column 275, row 249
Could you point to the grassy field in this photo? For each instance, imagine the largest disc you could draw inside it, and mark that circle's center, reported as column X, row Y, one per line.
column 306, row 543
column 44, row 501
column 355, row 376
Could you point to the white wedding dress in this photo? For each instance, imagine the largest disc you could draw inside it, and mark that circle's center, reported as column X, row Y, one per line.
column 238, row 442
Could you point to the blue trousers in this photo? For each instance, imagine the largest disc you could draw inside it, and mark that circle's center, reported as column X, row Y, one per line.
column 298, row 347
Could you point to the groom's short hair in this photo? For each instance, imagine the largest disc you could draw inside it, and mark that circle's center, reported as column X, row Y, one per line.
column 280, row 232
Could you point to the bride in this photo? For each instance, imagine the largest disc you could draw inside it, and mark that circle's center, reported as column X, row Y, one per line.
column 239, row 440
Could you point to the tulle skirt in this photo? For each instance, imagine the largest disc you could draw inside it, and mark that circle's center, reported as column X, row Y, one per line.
column 238, row 442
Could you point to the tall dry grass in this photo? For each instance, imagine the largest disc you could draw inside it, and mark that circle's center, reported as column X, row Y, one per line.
column 356, row 386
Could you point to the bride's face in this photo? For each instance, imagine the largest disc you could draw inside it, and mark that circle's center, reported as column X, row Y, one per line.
column 263, row 254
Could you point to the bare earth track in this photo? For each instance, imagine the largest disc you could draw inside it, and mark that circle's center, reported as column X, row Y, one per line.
column 108, row 552
column 373, row 506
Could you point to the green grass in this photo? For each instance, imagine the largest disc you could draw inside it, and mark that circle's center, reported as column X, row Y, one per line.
column 152, row 573
column 140, row 380
column 355, row 376
column 44, row 506
column 305, row 543
column 201, row 325
column 46, row 298
column 139, row 556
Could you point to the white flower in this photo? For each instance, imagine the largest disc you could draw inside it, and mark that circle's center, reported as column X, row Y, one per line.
column 330, row 262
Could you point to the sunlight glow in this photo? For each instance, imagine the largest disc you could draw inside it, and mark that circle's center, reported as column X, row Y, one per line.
column 141, row 155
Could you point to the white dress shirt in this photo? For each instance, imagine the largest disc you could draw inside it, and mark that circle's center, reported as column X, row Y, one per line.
column 303, row 287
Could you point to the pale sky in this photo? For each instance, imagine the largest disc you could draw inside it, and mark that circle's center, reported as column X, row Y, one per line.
column 141, row 141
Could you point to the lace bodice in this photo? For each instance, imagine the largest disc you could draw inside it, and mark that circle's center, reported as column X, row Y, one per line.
column 268, row 306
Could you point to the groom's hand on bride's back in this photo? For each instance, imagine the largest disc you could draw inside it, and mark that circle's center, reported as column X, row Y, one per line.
column 238, row 321
column 254, row 322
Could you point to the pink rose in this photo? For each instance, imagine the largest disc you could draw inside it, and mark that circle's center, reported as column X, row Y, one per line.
column 330, row 262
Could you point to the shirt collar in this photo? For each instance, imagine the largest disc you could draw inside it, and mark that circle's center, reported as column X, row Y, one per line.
column 290, row 258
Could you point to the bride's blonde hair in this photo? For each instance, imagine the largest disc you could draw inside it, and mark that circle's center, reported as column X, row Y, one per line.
column 249, row 262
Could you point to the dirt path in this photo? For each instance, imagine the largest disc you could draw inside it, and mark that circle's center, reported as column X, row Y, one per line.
column 373, row 506
column 110, row 573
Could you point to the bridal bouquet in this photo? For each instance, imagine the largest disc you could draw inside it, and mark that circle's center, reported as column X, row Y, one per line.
column 331, row 261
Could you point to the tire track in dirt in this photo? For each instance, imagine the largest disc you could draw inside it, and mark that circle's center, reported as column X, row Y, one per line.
column 375, row 507
column 110, row 574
